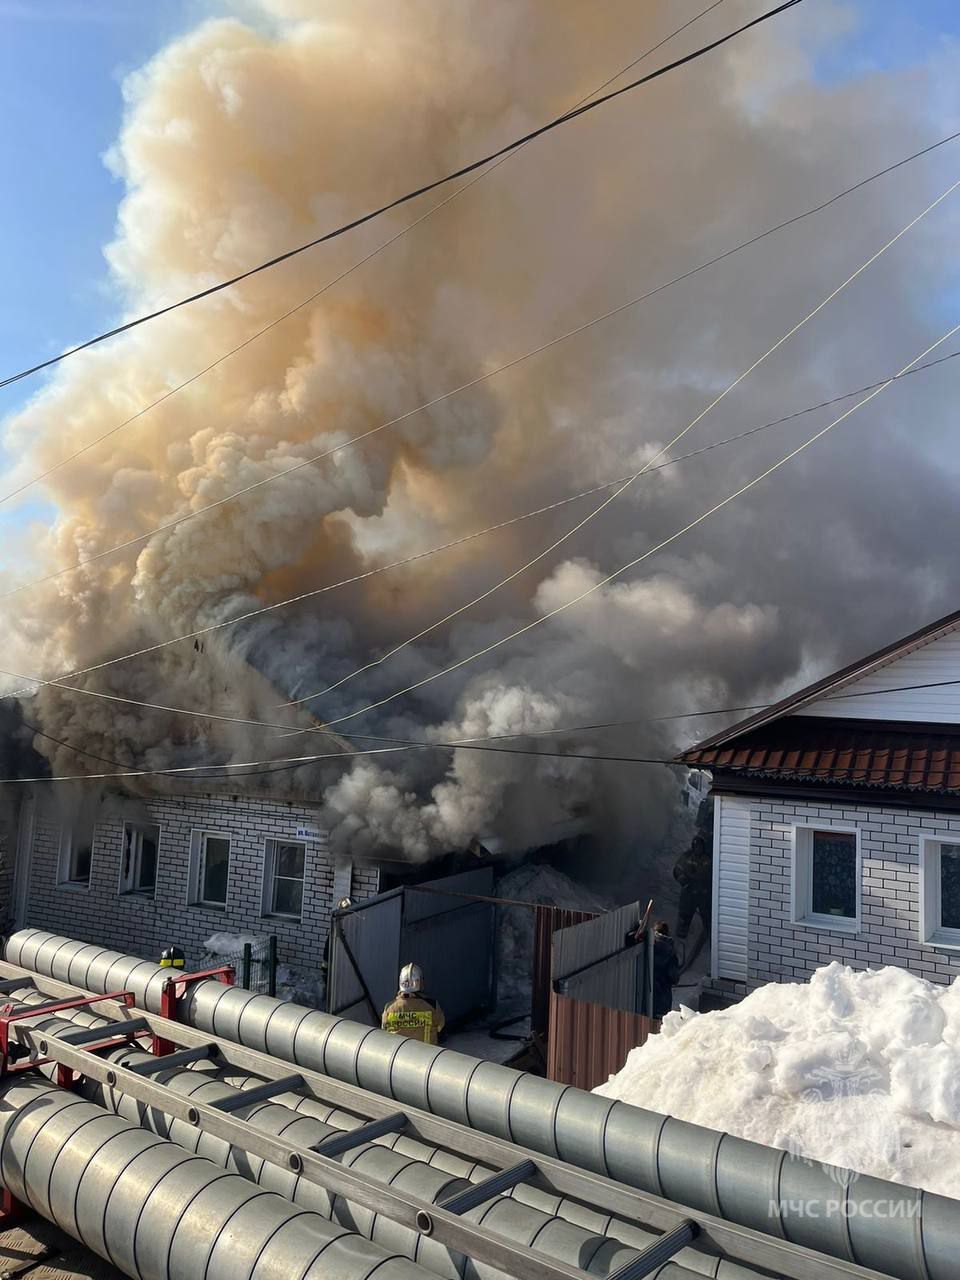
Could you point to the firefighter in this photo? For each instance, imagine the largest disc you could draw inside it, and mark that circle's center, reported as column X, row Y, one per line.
column 413, row 1014
column 172, row 958
column 694, row 873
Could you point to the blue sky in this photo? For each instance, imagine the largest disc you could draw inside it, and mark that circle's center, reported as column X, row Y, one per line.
column 62, row 63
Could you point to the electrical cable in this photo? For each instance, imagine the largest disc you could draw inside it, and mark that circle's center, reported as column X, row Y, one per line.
column 327, row 728
column 602, row 506
column 493, row 528
column 57, row 466
column 482, row 378
column 410, row 195
column 519, row 631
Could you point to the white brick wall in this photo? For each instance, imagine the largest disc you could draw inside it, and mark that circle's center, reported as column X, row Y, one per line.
column 144, row 925
column 890, row 917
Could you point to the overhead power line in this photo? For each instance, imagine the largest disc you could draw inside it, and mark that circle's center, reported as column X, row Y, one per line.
column 631, row 564
column 277, row 320
column 174, row 523
column 213, row 627
column 329, row 726
column 192, row 773
column 620, row 490
column 480, row 163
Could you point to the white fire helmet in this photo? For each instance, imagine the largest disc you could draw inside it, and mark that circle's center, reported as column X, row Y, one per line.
column 411, row 978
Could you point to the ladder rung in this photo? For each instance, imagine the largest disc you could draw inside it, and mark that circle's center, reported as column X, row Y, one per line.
column 35, row 1008
column 88, row 1034
column 495, row 1185
column 341, row 1142
column 259, row 1093
column 170, row 1061
column 658, row 1253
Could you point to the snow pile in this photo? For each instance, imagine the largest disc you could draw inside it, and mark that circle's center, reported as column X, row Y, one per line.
column 857, row 1069
column 295, row 985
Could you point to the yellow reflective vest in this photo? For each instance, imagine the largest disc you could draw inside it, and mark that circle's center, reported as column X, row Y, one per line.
column 414, row 1016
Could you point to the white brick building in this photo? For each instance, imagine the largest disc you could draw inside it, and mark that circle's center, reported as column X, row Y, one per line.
column 174, row 869
column 837, row 822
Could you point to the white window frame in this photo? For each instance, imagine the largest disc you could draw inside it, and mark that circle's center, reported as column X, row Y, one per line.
column 801, row 878
column 270, row 878
column 198, row 839
column 66, row 861
column 136, row 892
column 932, row 932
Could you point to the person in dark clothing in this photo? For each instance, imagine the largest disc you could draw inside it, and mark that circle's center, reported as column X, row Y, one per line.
column 694, row 873
column 666, row 969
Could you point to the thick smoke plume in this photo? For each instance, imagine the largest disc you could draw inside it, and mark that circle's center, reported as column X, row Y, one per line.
column 253, row 132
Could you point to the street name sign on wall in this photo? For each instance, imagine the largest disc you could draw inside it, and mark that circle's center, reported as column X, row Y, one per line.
column 314, row 835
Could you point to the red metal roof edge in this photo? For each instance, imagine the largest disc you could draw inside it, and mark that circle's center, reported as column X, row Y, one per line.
column 812, row 691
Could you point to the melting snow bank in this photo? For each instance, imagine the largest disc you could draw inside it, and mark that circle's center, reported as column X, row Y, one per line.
column 857, row 1069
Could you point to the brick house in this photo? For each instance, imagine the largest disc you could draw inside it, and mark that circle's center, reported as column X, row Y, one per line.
column 837, row 822
column 173, row 869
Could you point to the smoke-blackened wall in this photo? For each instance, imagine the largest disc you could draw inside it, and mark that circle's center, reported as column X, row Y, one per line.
column 246, row 136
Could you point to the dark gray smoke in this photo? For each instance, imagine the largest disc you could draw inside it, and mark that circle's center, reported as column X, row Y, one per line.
column 242, row 138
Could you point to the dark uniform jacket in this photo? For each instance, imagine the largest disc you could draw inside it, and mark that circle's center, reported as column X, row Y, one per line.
column 416, row 1016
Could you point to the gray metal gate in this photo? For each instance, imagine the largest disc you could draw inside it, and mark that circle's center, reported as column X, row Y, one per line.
column 452, row 940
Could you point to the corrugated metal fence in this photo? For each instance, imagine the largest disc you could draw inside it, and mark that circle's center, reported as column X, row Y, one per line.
column 599, row 987
column 450, row 937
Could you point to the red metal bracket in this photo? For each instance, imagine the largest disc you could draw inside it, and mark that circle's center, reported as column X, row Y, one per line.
column 9, row 1015
column 12, row 1210
column 173, row 992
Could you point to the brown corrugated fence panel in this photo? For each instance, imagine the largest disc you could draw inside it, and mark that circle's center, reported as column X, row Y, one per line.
column 587, row 1043
column 547, row 920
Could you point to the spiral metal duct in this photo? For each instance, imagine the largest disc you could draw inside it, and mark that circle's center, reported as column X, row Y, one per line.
column 157, row 1212
column 917, row 1238
column 562, row 1229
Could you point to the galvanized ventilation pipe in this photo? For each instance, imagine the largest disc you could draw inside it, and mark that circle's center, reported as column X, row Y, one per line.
column 601, row 1244
column 157, row 1212
column 916, row 1238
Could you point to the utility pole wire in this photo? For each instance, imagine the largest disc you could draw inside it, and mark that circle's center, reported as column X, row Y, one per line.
column 481, row 533
column 277, row 320
column 327, row 728
column 608, row 501
column 482, row 378
column 465, row 538
column 631, row 564
column 404, row 199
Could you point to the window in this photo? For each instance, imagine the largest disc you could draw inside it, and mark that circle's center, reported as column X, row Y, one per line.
column 209, row 869
column 75, row 859
column 138, row 860
column 283, row 878
column 826, row 878
column 940, row 892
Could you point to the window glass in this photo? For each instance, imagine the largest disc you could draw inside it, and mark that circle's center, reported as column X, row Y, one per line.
column 283, row 890
column 288, row 897
column 138, row 869
column 950, row 886
column 833, row 879
column 216, row 862
column 81, row 863
column 289, row 860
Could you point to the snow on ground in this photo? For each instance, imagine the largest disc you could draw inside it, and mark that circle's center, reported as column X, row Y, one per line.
column 856, row 1069
column 297, row 985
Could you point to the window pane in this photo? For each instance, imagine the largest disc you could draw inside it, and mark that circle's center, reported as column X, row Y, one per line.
column 288, row 860
column 950, row 886
column 81, row 863
column 834, row 874
column 149, row 840
column 288, row 897
column 216, row 859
